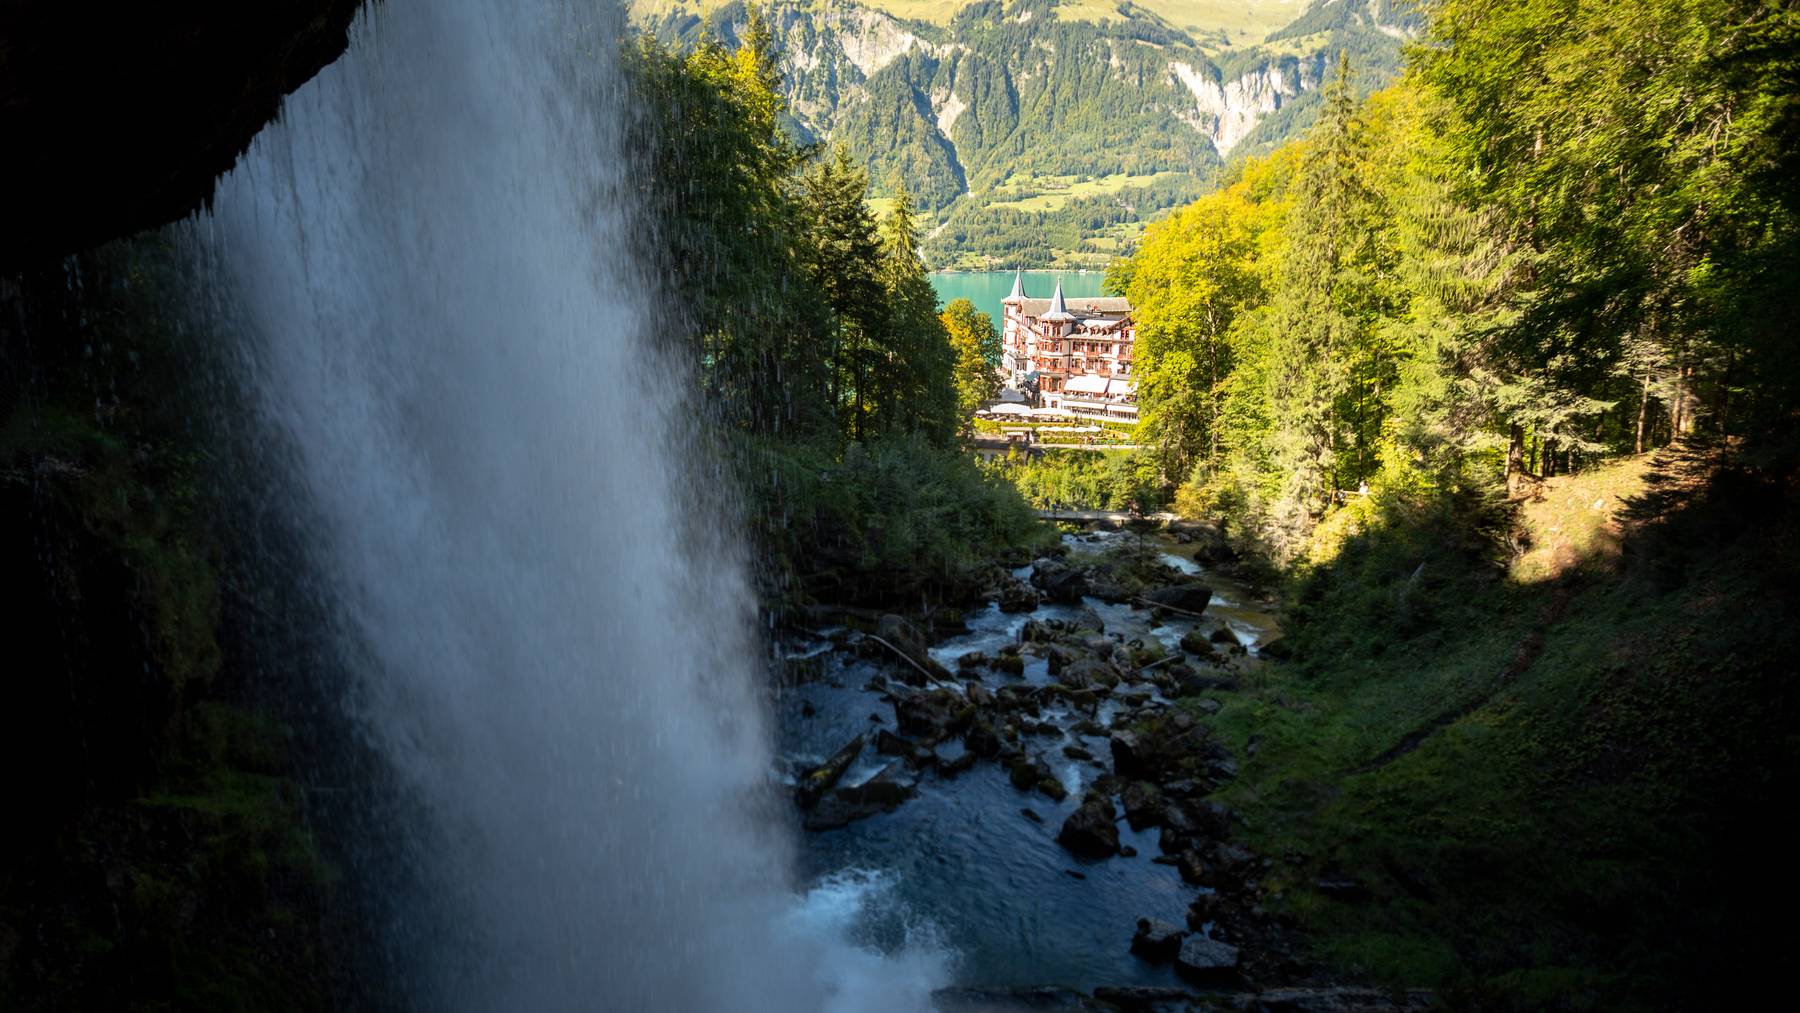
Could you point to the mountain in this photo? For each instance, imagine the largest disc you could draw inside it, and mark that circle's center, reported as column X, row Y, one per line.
column 1049, row 131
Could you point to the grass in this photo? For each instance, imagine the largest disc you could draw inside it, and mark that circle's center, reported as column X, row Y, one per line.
column 1607, row 716
column 1051, row 193
column 1248, row 19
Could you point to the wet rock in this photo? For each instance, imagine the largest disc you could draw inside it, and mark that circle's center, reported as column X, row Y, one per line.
column 889, row 744
column 890, row 786
column 807, row 710
column 982, row 740
column 1195, row 642
column 1089, row 620
column 1101, row 648
column 1013, row 1000
column 1143, row 804
column 973, row 659
column 1206, row 908
column 1059, row 581
column 1209, row 706
column 930, row 714
column 882, row 793
column 1222, row 636
column 956, row 765
column 1077, row 753
column 1089, row 831
column 1191, row 598
column 1009, row 664
column 1147, row 998
column 1088, row 673
column 820, row 779
column 1193, row 868
column 1204, row 959
column 1166, row 747
column 978, row 695
column 1157, row 940
column 1017, row 596
column 1127, row 851
column 1031, row 814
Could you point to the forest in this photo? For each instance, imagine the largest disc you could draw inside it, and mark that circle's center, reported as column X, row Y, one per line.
column 1499, row 269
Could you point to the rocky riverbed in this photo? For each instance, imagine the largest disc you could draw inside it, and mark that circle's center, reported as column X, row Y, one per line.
column 1031, row 780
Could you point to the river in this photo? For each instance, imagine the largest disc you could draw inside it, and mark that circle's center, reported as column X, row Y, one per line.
column 962, row 867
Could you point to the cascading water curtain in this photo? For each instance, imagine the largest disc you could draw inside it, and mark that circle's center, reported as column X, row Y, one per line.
column 446, row 343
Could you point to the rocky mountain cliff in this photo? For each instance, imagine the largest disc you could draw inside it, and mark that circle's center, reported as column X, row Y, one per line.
column 1013, row 89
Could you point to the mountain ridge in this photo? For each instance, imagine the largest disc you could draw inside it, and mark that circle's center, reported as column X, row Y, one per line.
column 1006, row 118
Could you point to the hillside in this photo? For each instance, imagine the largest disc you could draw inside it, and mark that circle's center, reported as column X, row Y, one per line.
column 1044, row 132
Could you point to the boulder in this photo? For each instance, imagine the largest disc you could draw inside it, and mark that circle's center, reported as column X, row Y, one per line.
column 889, row 744
column 1276, row 648
column 1059, row 581
column 1195, row 642
column 1192, row 597
column 1088, row 619
column 1157, row 940
column 982, row 740
column 932, row 714
column 1017, row 596
column 1089, row 831
column 1087, row 673
column 1143, row 804
column 879, row 794
column 1009, row 664
column 961, row 763
column 1206, row 959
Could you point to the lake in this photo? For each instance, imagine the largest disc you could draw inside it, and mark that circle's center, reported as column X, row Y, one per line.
column 986, row 288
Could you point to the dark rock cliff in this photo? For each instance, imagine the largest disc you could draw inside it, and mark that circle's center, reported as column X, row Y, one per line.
column 119, row 121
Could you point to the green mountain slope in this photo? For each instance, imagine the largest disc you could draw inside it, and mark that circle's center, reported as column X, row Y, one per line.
column 1045, row 131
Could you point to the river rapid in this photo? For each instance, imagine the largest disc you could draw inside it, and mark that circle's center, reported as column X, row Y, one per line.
column 971, row 866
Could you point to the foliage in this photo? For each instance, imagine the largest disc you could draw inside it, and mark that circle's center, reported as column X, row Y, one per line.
column 1545, row 779
column 1082, row 480
column 895, row 520
column 801, row 317
column 977, row 345
column 1568, row 232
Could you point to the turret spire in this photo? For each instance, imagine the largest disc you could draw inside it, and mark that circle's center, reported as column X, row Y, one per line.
column 1018, row 292
column 1059, row 310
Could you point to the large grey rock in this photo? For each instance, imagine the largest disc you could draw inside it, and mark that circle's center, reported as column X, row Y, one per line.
column 1192, row 597
column 1090, row 831
column 1157, row 940
column 1206, row 959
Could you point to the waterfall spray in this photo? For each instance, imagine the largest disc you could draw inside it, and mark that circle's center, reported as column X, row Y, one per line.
column 448, row 346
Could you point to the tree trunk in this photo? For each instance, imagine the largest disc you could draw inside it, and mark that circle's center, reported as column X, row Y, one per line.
column 1643, row 412
column 1515, row 457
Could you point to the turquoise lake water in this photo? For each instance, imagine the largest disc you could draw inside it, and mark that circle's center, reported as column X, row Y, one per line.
column 986, row 288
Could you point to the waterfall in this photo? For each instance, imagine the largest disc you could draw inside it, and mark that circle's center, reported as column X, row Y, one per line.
column 451, row 357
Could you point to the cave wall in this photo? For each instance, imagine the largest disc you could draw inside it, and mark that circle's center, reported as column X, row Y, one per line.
column 120, row 119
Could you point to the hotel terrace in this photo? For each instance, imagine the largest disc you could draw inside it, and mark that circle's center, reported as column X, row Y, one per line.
column 1078, row 350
